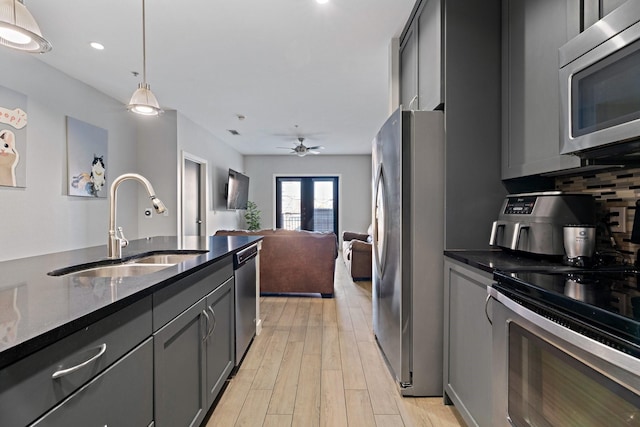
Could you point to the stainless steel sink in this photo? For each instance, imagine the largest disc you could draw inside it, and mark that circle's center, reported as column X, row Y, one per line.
column 135, row 266
column 165, row 258
column 120, row 270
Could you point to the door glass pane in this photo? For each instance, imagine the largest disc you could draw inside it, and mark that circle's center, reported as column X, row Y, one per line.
column 290, row 205
column 323, row 206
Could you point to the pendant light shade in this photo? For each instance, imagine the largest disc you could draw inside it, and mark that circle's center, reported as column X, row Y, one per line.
column 19, row 30
column 143, row 101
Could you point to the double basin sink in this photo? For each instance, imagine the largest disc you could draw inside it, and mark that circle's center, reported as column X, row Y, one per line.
column 138, row 265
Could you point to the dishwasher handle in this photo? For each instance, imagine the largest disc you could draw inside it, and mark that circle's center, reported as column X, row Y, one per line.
column 242, row 257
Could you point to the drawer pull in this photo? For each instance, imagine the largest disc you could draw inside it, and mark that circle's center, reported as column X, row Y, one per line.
column 63, row 372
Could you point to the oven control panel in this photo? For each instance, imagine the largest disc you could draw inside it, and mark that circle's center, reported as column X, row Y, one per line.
column 521, row 205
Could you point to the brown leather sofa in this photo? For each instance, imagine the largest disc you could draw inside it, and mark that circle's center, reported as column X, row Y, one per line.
column 356, row 251
column 294, row 261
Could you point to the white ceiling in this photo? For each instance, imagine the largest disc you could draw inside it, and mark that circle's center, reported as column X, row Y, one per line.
column 280, row 63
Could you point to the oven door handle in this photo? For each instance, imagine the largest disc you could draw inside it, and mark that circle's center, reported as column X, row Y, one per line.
column 486, row 307
column 622, row 360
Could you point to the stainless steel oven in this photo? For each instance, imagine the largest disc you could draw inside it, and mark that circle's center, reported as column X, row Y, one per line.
column 553, row 371
column 599, row 90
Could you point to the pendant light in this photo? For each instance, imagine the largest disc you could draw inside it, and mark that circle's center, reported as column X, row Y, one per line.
column 143, row 101
column 19, row 30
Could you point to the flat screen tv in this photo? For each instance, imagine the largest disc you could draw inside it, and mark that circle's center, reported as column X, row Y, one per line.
column 237, row 190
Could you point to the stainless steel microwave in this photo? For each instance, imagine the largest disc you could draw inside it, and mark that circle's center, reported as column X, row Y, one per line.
column 600, row 86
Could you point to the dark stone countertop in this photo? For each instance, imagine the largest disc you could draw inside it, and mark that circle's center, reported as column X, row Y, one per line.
column 490, row 260
column 37, row 309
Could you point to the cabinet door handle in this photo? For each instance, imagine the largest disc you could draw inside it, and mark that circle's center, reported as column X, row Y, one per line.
column 63, row 372
column 206, row 315
column 215, row 321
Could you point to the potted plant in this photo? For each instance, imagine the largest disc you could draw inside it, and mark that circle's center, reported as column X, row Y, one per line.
column 252, row 216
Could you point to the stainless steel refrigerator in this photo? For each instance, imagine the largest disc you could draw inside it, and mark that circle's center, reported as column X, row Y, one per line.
column 408, row 243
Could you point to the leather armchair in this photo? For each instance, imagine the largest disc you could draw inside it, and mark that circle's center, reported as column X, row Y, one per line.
column 356, row 251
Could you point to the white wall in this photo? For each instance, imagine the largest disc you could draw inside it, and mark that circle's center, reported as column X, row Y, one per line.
column 355, row 184
column 157, row 154
column 195, row 140
column 41, row 218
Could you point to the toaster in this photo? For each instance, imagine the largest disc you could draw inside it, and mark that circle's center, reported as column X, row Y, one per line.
column 533, row 222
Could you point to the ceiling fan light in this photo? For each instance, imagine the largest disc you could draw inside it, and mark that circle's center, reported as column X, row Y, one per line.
column 144, row 102
column 19, row 30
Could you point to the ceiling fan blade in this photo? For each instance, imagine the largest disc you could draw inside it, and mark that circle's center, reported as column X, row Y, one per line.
column 314, row 152
column 316, row 147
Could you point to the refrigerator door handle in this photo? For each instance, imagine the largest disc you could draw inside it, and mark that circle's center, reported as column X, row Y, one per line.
column 379, row 221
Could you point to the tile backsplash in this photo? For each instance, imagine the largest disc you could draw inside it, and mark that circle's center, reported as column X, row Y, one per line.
column 618, row 188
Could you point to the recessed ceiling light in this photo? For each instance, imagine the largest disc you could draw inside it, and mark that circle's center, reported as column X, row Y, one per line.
column 322, row 1
column 96, row 45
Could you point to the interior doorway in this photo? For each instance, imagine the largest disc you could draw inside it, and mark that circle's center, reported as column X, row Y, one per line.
column 193, row 199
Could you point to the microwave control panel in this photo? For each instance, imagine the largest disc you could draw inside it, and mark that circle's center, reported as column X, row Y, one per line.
column 520, row 205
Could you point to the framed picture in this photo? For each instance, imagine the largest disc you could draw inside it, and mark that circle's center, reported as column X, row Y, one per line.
column 13, row 138
column 87, row 148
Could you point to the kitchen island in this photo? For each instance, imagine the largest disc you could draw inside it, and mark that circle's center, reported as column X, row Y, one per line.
column 71, row 331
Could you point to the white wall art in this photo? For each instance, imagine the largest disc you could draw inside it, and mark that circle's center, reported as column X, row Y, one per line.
column 87, row 147
column 13, row 138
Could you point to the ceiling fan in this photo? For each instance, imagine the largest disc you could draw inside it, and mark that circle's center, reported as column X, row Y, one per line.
column 302, row 150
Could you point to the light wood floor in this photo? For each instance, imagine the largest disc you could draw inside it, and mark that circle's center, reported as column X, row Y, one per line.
column 316, row 363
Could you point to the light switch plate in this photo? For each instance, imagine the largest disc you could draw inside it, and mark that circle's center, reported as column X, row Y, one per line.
column 619, row 215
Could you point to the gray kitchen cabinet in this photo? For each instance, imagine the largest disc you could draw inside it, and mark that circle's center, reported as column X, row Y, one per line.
column 221, row 341
column 595, row 10
column 421, row 59
column 467, row 343
column 459, row 54
column 430, row 85
column 37, row 383
column 194, row 352
column 409, row 69
column 120, row 396
column 180, row 369
column 533, row 30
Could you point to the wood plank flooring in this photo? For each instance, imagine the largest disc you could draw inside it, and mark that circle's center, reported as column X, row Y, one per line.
column 316, row 363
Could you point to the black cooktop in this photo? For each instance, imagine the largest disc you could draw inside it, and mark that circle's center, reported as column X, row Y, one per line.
column 606, row 299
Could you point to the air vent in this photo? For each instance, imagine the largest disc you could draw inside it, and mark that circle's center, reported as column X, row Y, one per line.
column 233, row 132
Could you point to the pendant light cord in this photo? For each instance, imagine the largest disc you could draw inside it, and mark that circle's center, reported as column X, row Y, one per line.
column 144, row 47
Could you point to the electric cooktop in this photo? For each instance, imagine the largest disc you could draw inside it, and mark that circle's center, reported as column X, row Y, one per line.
column 605, row 300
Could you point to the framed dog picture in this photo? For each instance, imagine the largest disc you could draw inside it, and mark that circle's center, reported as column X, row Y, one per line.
column 87, row 147
column 13, row 138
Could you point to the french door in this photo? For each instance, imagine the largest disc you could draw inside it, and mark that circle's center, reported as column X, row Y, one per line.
column 307, row 203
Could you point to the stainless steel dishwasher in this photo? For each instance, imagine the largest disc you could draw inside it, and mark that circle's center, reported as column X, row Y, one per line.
column 244, row 265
